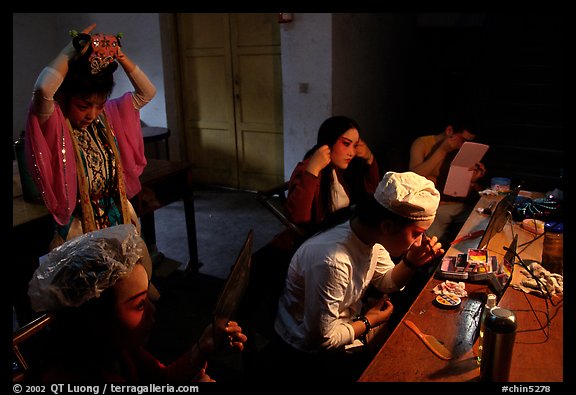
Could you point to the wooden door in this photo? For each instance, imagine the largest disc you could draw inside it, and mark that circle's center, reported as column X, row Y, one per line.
column 232, row 98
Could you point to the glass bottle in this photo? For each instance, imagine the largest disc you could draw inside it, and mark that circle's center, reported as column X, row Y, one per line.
column 553, row 248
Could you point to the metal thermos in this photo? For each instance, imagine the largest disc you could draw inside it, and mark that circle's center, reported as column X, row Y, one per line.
column 497, row 346
column 490, row 304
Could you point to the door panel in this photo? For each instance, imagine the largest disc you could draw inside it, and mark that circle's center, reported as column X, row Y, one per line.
column 254, row 144
column 256, row 29
column 212, row 155
column 210, row 134
column 232, row 98
column 257, row 87
column 258, row 107
column 206, row 89
column 204, row 31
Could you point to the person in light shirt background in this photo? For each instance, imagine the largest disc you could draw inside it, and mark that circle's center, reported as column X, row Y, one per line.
column 431, row 156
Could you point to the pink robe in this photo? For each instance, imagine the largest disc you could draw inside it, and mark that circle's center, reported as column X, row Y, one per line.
column 54, row 171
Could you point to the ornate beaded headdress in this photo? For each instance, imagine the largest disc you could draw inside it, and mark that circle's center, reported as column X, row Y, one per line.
column 100, row 50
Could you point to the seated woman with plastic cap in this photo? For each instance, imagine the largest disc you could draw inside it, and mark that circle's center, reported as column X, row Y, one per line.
column 322, row 313
column 96, row 285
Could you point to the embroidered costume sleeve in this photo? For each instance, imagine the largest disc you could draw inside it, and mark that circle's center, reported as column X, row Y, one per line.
column 125, row 121
column 45, row 87
column 50, row 159
column 144, row 89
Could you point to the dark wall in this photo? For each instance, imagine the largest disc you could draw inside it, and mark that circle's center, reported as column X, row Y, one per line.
column 508, row 72
column 522, row 98
column 371, row 70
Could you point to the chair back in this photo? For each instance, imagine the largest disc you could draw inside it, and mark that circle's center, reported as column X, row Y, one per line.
column 273, row 199
column 27, row 347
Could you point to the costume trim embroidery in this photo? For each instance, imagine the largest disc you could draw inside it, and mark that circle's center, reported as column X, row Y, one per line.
column 88, row 215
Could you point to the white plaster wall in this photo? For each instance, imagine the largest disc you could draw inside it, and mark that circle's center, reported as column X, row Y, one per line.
column 306, row 59
column 37, row 39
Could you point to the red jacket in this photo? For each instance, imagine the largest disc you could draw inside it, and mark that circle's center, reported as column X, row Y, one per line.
column 303, row 205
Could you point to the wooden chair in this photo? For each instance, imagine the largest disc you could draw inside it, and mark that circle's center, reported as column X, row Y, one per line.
column 270, row 263
column 273, row 199
column 27, row 347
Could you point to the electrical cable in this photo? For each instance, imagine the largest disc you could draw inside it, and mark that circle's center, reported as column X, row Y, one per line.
column 545, row 327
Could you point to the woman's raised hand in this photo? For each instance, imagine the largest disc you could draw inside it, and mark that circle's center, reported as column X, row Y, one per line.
column 236, row 338
column 362, row 151
column 89, row 28
column 319, row 160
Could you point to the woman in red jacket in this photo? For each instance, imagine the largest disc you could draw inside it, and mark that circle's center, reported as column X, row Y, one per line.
column 333, row 175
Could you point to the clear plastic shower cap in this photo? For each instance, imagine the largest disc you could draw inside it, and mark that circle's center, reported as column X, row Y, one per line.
column 81, row 268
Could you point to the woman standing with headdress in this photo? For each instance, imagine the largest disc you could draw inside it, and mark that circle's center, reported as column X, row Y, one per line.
column 86, row 152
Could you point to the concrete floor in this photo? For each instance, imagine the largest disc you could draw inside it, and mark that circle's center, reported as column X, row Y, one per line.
column 223, row 219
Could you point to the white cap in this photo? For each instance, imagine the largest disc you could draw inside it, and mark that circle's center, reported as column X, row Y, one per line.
column 409, row 195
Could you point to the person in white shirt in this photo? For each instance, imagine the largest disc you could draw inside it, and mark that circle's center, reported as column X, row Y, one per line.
column 321, row 311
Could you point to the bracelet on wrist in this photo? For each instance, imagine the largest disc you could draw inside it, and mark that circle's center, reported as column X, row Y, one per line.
column 363, row 318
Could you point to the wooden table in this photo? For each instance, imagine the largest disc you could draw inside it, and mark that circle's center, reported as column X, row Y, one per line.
column 537, row 354
column 154, row 134
column 165, row 182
